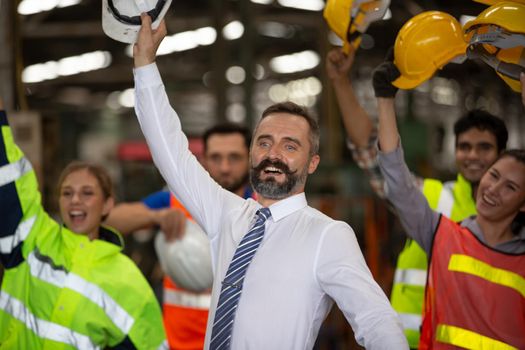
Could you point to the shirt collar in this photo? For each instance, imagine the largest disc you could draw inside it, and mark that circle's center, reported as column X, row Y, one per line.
column 287, row 206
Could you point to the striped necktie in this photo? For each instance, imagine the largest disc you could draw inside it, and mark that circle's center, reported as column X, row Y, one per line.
column 232, row 284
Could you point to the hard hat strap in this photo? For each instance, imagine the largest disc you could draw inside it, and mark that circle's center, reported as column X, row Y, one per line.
column 498, row 37
column 367, row 12
column 510, row 70
column 135, row 20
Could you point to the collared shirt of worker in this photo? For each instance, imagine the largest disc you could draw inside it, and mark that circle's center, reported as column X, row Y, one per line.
column 305, row 262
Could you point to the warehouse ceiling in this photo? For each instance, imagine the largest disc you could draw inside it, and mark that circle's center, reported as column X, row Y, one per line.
column 270, row 30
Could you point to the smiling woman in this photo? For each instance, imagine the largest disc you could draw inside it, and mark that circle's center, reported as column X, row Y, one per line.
column 480, row 258
column 67, row 287
column 85, row 197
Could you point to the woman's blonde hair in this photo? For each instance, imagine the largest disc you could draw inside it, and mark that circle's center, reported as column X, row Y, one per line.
column 102, row 176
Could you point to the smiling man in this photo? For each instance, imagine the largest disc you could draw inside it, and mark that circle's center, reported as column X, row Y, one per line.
column 279, row 265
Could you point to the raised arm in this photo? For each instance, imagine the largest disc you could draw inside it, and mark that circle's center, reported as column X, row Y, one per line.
column 356, row 121
column 411, row 206
column 21, row 212
column 361, row 132
column 161, row 126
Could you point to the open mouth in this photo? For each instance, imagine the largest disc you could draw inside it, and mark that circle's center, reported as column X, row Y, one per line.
column 272, row 171
column 77, row 216
column 474, row 167
column 489, row 200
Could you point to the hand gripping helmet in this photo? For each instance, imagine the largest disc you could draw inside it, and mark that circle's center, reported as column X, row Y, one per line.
column 351, row 18
column 187, row 261
column 424, row 44
column 497, row 37
column 121, row 18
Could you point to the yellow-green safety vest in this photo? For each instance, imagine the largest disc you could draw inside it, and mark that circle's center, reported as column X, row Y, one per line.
column 453, row 199
column 60, row 290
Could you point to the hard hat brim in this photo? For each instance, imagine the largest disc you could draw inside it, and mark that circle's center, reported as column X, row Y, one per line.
column 126, row 32
column 407, row 84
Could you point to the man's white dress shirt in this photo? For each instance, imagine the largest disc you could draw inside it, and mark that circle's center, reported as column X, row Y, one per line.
column 305, row 262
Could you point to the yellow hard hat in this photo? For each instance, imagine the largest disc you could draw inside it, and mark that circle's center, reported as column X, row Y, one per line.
column 507, row 14
column 424, row 44
column 516, row 57
column 497, row 37
column 348, row 19
column 494, row 2
column 508, row 63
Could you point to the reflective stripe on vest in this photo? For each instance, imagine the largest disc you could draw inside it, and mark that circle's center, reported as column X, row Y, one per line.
column 22, row 231
column 164, row 345
column 44, row 329
column 13, row 171
column 44, row 270
column 467, row 264
column 446, row 200
column 468, row 340
column 453, row 199
column 174, row 297
column 413, row 277
column 478, row 290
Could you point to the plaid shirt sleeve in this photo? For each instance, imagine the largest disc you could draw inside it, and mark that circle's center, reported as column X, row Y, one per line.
column 366, row 159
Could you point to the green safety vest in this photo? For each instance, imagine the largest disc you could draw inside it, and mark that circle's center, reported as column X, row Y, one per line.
column 60, row 290
column 454, row 200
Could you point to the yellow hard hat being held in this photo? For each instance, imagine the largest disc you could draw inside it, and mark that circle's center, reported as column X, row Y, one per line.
column 426, row 43
column 348, row 19
column 506, row 14
column 494, row 2
column 497, row 37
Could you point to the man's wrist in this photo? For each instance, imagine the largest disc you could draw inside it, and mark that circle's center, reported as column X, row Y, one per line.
column 142, row 61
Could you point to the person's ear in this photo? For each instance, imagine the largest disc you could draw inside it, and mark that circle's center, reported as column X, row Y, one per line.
column 108, row 205
column 314, row 162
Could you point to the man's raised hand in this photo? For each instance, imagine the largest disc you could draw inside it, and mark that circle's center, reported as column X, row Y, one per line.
column 148, row 41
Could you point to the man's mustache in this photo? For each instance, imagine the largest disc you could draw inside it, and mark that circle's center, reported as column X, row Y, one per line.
column 273, row 163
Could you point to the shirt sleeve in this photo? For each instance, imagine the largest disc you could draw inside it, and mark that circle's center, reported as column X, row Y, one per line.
column 343, row 274
column 157, row 200
column 417, row 218
column 20, row 205
column 185, row 176
column 366, row 159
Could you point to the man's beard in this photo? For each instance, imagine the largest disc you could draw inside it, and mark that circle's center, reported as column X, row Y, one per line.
column 270, row 188
column 236, row 184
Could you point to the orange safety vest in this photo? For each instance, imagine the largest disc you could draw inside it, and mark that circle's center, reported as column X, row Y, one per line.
column 475, row 295
column 185, row 313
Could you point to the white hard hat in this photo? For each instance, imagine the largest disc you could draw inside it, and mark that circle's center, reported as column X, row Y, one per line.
column 121, row 18
column 187, row 261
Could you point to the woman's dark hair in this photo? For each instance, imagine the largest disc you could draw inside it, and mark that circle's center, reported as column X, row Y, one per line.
column 518, row 154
